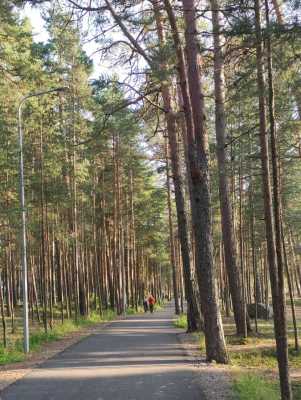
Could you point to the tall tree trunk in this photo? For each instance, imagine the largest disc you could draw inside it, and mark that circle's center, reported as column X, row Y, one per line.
column 2, row 311
column 193, row 317
column 290, row 289
column 43, row 244
column 171, row 239
column 277, row 295
column 215, row 341
column 198, row 169
column 234, row 276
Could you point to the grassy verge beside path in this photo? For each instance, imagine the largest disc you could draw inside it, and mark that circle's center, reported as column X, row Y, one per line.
column 253, row 362
column 247, row 386
column 14, row 351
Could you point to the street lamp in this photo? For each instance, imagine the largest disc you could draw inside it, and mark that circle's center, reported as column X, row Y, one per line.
column 23, row 211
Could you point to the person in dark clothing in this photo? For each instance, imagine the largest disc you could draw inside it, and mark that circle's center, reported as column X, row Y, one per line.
column 145, row 305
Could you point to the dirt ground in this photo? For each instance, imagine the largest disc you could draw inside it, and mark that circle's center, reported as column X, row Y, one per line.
column 215, row 380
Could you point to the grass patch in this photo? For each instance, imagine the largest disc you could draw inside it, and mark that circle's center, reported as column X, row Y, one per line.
column 236, row 340
column 95, row 318
column 262, row 358
column 158, row 306
column 132, row 310
column 10, row 355
column 296, row 386
column 257, row 350
column 251, row 387
column 181, row 321
column 254, row 358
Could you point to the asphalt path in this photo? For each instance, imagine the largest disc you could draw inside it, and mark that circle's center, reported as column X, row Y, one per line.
column 139, row 358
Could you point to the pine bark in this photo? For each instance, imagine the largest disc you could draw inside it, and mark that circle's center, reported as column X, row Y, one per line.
column 234, row 276
column 171, row 239
column 193, row 317
column 198, row 169
column 276, row 286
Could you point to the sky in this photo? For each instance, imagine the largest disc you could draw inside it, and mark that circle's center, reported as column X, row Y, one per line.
column 40, row 35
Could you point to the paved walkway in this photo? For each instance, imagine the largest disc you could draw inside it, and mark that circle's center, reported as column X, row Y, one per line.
column 139, row 358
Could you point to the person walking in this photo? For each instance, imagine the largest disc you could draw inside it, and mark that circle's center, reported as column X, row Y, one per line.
column 145, row 305
column 151, row 301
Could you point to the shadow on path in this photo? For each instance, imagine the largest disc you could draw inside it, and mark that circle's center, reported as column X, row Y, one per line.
column 138, row 358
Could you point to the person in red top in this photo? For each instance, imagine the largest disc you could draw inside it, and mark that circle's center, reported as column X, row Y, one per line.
column 151, row 302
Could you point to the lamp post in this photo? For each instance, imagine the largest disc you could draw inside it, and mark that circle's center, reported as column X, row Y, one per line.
column 23, row 212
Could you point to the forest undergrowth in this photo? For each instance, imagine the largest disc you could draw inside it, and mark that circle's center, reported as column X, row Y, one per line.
column 253, row 360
